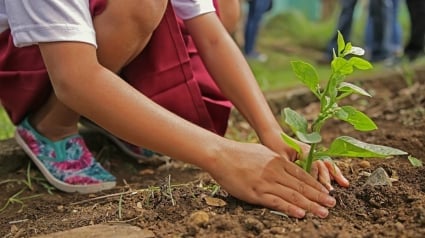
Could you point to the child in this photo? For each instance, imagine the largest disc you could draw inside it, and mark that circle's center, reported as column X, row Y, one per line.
column 129, row 67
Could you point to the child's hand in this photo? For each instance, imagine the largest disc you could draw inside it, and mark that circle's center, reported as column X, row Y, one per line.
column 254, row 173
column 323, row 171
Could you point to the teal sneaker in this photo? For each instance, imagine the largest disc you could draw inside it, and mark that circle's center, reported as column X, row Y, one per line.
column 136, row 152
column 67, row 164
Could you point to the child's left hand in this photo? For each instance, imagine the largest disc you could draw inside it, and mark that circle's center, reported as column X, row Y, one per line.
column 326, row 171
column 323, row 171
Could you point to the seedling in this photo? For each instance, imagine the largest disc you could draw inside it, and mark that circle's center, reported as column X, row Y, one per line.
column 167, row 190
column 345, row 60
column 17, row 198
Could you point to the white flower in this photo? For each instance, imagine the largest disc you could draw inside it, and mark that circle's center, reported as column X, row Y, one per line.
column 356, row 51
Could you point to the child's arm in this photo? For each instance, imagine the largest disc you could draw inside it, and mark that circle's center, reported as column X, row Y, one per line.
column 229, row 68
column 250, row 172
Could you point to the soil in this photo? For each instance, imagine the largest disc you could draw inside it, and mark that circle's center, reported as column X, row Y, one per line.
column 180, row 200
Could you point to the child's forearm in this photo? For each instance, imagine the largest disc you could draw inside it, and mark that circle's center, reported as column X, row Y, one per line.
column 232, row 73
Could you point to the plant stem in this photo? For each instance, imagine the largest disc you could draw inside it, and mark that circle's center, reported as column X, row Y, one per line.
column 310, row 158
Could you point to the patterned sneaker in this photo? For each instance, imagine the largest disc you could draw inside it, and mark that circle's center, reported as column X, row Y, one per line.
column 67, row 164
column 139, row 153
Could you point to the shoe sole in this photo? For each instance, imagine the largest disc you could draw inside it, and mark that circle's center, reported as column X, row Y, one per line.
column 83, row 189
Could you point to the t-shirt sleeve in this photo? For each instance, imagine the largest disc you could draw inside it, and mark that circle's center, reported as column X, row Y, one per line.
column 35, row 21
column 187, row 9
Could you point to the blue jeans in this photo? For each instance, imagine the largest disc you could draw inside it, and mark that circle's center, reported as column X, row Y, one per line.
column 256, row 10
column 344, row 25
column 383, row 31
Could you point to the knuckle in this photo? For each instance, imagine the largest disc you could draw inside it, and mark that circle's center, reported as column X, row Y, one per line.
column 321, row 198
column 256, row 194
column 301, row 188
column 294, row 197
column 275, row 203
column 297, row 172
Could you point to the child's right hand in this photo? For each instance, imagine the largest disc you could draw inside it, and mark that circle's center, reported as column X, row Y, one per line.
column 255, row 174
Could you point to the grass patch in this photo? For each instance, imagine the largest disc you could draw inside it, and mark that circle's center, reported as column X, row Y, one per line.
column 26, row 188
column 6, row 127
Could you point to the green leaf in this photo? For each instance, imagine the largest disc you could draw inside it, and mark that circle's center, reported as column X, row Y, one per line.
column 309, row 138
column 342, row 66
column 322, row 157
column 307, row 74
column 341, row 43
column 291, row 142
column 359, row 120
column 325, row 158
column 301, row 163
column 331, row 92
column 347, row 48
column 295, row 121
column 356, row 51
column 346, row 146
column 414, row 161
column 360, row 63
column 348, row 88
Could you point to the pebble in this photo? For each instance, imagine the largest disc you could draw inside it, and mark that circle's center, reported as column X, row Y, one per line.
column 104, row 231
column 364, row 164
column 199, row 218
column 379, row 177
column 60, row 208
column 316, row 224
column 380, row 213
column 253, row 224
column 399, row 226
column 215, row 202
column 14, row 229
column 277, row 230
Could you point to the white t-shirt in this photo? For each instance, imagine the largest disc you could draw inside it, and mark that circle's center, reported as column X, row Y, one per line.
column 33, row 21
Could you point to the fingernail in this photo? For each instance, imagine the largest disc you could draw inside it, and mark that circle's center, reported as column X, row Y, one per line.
column 299, row 213
column 330, row 201
column 323, row 212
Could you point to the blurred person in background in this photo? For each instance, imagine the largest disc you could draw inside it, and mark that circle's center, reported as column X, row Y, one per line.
column 415, row 45
column 383, row 36
column 344, row 25
column 256, row 11
column 328, row 8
